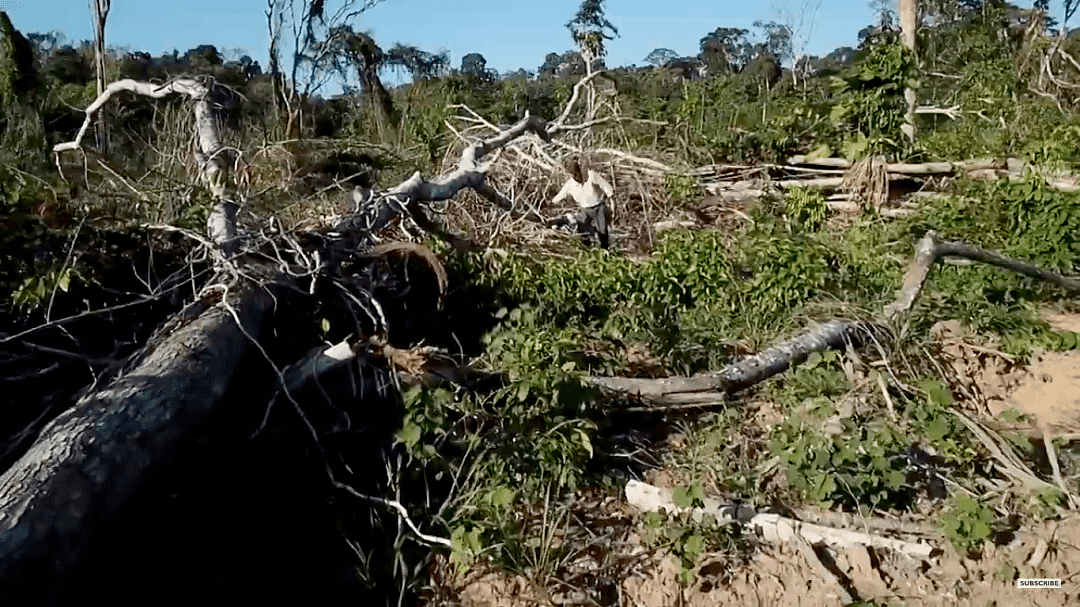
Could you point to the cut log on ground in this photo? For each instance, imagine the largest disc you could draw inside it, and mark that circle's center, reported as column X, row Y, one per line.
column 771, row 528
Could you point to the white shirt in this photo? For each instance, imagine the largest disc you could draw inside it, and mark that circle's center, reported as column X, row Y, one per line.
column 588, row 194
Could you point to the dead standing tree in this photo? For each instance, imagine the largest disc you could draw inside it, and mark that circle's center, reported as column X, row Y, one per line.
column 58, row 500
column 101, row 14
column 310, row 25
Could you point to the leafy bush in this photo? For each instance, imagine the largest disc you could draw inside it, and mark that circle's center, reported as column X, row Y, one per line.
column 870, row 105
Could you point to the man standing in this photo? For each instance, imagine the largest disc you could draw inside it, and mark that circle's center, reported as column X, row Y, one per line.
column 588, row 189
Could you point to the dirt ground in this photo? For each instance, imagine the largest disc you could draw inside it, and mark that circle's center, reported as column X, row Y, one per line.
column 1047, row 391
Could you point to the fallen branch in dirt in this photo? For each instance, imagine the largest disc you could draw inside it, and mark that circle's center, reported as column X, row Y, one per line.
column 876, row 525
column 714, row 387
column 771, row 528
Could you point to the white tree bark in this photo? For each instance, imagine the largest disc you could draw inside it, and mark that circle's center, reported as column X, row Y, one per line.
column 215, row 161
column 909, row 24
column 771, row 528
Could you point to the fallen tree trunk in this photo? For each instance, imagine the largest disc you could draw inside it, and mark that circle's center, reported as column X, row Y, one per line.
column 88, row 462
column 58, row 500
column 925, row 168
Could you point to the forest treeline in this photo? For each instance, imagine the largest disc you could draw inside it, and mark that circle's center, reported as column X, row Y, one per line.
column 731, row 102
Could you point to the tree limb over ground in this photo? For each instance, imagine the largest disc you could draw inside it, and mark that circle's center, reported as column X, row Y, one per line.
column 714, row 387
column 215, row 160
column 57, row 500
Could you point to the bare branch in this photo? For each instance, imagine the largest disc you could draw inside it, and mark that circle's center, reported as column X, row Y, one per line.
column 216, row 161
column 557, row 123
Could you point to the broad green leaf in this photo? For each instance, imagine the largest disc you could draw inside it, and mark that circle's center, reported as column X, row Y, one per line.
column 681, row 497
column 409, row 434
column 502, row 497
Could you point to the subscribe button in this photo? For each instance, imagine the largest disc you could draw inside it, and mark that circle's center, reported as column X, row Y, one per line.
column 1037, row 583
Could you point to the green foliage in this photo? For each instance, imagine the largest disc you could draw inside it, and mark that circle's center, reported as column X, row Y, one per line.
column 1059, row 150
column 36, row 290
column 22, row 133
column 870, row 104
column 805, row 208
column 855, row 463
column 17, row 75
column 535, row 440
column 967, row 524
column 683, row 188
column 838, row 456
column 1025, row 220
column 931, row 419
column 696, row 296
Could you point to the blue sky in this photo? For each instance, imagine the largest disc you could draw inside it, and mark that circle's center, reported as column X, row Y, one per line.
column 508, row 33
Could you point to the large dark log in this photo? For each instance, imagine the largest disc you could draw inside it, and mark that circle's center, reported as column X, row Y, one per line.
column 57, row 500
column 61, row 500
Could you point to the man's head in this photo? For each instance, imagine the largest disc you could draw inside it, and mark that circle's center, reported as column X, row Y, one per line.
column 577, row 168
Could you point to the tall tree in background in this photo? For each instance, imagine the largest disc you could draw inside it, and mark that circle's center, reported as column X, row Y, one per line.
column 101, row 14
column 909, row 22
column 549, row 66
column 660, row 57
column 777, row 40
column 589, row 28
column 346, row 50
column 725, row 49
column 421, row 65
column 311, row 25
column 474, row 64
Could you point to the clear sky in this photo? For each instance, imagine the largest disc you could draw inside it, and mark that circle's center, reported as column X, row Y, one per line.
column 510, row 34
